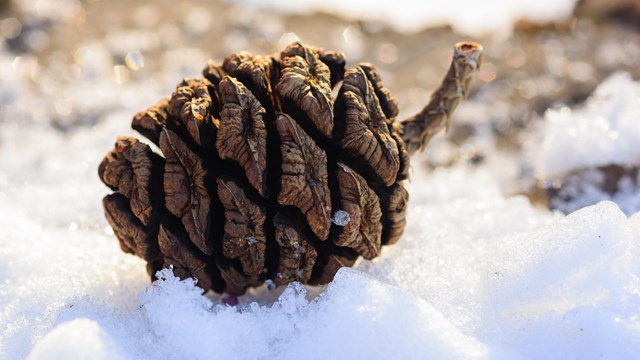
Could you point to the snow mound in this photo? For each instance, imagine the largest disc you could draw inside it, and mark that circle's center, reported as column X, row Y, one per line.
column 604, row 131
column 350, row 319
column 590, row 154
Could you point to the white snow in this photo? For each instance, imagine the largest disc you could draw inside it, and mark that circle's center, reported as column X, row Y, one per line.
column 80, row 339
column 341, row 218
column 602, row 132
column 252, row 240
column 465, row 16
column 586, row 188
column 478, row 275
column 568, row 146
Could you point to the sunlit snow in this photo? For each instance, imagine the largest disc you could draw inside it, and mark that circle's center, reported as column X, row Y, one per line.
column 603, row 131
column 568, row 147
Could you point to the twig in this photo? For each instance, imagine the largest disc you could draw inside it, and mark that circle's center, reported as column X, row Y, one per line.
column 418, row 130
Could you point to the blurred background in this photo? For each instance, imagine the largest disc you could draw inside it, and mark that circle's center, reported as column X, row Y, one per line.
column 72, row 63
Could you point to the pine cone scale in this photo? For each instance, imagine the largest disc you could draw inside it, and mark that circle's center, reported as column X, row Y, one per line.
column 304, row 180
column 186, row 194
column 244, row 236
column 242, row 135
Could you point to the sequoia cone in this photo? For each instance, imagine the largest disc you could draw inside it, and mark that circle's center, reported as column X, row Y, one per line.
column 264, row 175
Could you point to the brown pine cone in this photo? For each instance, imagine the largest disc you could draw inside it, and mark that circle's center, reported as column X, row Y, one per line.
column 264, row 175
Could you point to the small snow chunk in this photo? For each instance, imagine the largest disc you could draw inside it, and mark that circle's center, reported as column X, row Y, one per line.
column 252, row 240
column 292, row 299
column 341, row 218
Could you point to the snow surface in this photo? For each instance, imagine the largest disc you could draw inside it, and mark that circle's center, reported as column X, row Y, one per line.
column 465, row 16
column 567, row 149
column 81, row 338
column 478, row 275
column 602, row 132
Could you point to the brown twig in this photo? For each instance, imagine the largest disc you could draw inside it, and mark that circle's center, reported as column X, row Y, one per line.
column 419, row 129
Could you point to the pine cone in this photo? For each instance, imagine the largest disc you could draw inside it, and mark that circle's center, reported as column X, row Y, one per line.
column 264, row 175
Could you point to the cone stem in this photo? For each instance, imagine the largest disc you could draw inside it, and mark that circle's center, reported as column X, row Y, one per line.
column 419, row 129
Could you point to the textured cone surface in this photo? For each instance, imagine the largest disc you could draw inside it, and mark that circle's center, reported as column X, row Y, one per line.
column 262, row 175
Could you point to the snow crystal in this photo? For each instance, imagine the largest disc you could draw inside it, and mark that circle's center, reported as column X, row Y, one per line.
column 341, row 218
column 605, row 131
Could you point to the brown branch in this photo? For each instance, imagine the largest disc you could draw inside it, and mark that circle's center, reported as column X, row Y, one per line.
column 419, row 129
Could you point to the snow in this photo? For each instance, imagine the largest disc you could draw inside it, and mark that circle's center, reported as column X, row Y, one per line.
column 602, row 132
column 586, row 187
column 570, row 148
column 465, row 16
column 252, row 240
column 79, row 339
column 341, row 218
column 478, row 275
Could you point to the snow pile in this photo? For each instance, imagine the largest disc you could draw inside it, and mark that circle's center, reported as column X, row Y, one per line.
column 466, row 16
column 605, row 131
column 579, row 151
column 356, row 317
